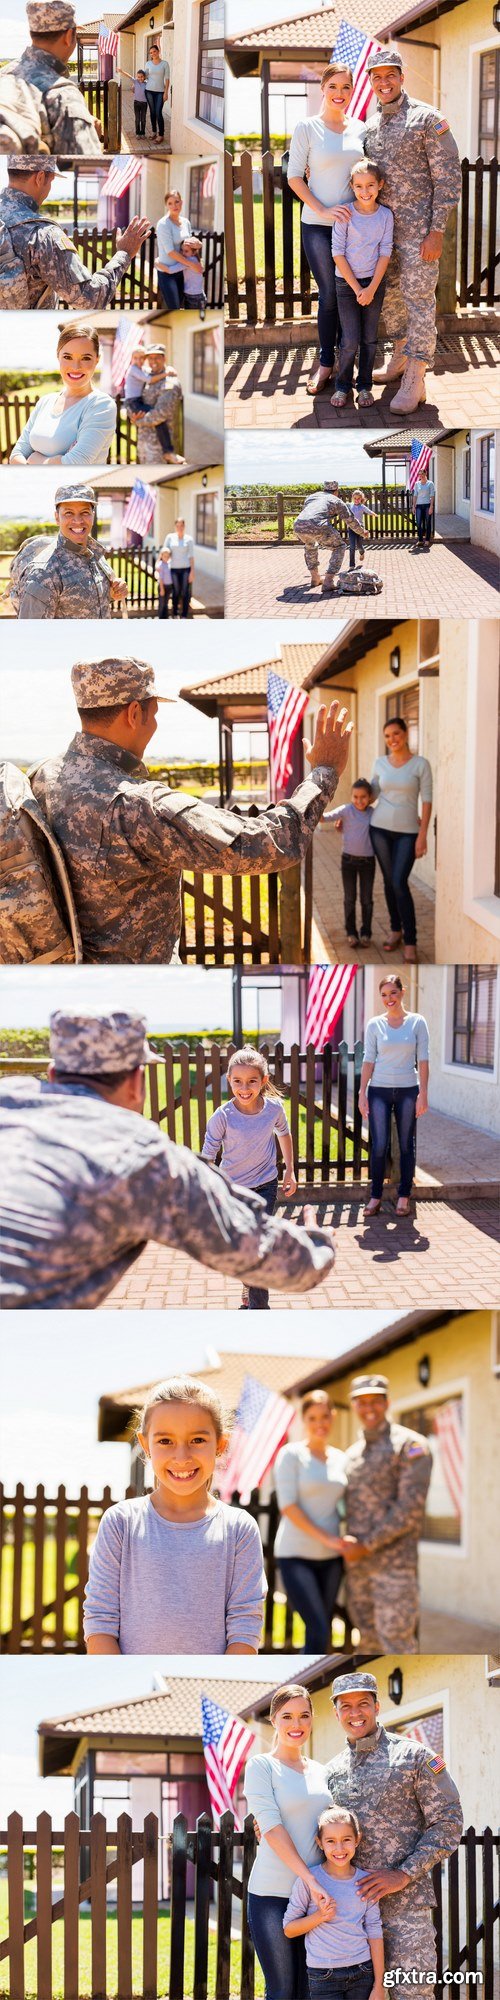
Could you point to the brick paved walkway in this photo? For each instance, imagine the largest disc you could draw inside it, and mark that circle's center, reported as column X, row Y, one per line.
column 446, row 1254
column 328, row 938
column 439, row 582
column 266, row 388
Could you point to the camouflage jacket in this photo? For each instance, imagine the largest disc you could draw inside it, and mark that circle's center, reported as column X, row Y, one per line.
column 61, row 581
column 163, row 402
column 86, row 1184
column 66, row 124
column 324, row 510
column 421, row 164
column 126, row 839
column 52, row 270
column 408, row 1808
column 388, row 1479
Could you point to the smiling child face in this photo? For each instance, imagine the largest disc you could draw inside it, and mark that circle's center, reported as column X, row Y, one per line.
column 366, row 189
column 338, row 1842
column 246, row 1086
column 181, row 1443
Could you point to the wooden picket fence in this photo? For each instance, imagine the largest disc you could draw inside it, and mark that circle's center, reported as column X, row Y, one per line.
column 466, row 1917
column 105, row 102
column 257, row 517
column 239, row 919
column 320, row 1091
column 16, row 406
column 138, row 288
column 276, row 284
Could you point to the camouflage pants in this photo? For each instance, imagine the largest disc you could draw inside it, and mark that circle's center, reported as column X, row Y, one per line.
column 384, row 1604
column 410, row 301
column 315, row 538
column 409, row 1942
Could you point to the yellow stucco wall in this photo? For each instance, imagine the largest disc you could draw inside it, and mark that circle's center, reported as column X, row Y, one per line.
column 462, row 1583
column 174, row 500
column 472, row 1718
column 447, row 74
column 363, row 692
column 475, row 945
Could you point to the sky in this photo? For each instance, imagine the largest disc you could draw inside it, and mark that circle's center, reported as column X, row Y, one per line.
column 14, row 36
column 296, row 457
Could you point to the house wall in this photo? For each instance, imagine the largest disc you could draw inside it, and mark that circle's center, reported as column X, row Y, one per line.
column 466, row 905
column 188, row 131
column 180, row 167
column 469, row 1094
column 448, row 74
column 364, row 694
column 206, row 410
column 484, row 528
column 472, row 1736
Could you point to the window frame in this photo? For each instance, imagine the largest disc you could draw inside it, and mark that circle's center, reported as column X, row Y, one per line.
column 212, row 45
column 199, row 167
column 486, row 485
column 202, row 497
column 476, row 975
column 202, row 338
column 487, row 139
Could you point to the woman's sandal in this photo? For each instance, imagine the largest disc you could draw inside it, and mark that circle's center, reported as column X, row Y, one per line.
column 365, row 399
column 410, row 954
column 372, row 1207
column 403, row 1205
column 392, row 943
column 318, row 379
column 339, row 400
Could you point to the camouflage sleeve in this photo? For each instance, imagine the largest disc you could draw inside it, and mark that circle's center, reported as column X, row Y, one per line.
column 343, row 511
column 444, row 168
column 183, row 1202
column 40, row 594
column 73, row 283
column 439, row 1802
column 195, row 834
column 163, row 410
column 71, row 125
column 406, row 1516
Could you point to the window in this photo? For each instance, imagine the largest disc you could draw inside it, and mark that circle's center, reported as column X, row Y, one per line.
column 441, row 1421
column 489, row 102
column 466, row 469
column 405, row 704
column 206, row 362
column 426, row 1729
column 210, row 85
column 202, row 189
column 474, row 1001
column 207, row 517
column 487, row 474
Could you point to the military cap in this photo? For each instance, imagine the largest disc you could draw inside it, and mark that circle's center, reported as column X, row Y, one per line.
column 99, row 1044
column 354, row 1684
column 32, row 163
column 50, row 17
column 158, row 349
column 105, row 683
column 64, row 493
column 385, row 59
column 369, row 1385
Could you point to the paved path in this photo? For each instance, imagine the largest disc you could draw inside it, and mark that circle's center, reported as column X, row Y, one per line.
column 328, row 939
column 446, row 1254
column 266, row 387
column 271, row 581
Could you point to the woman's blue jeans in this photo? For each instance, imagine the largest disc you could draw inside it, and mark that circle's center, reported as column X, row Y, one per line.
column 401, row 1099
column 344, row 1982
column 283, row 1959
column 258, row 1299
column 181, row 592
column 312, row 1588
column 172, row 289
column 424, row 521
column 359, row 334
column 395, row 853
column 154, row 100
column 317, row 240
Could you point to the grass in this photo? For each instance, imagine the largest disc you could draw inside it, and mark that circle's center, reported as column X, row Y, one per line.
column 85, row 1942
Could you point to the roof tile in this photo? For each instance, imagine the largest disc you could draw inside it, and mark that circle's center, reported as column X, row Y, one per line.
column 174, row 1713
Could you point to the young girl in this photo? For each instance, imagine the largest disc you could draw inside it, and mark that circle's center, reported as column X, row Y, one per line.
column 359, row 506
column 177, row 1571
column 361, row 249
column 247, row 1128
column 346, row 1937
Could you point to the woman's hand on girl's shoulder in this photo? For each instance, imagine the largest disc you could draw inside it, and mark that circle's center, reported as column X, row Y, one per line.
column 341, row 213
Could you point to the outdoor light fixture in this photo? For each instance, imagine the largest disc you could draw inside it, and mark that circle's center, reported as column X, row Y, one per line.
column 204, row 479
column 424, row 1371
column 151, row 20
column 395, row 1686
column 395, row 657
column 496, row 16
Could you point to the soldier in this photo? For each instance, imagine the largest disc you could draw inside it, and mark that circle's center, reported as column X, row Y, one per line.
column 39, row 265
column 68, row 578
column 388, row 1472
column 413, row 145
column 54, row 117
column 88, row 1182
column 315, row 528
column 410, row 1816
column 126, row 837
column 162, row 395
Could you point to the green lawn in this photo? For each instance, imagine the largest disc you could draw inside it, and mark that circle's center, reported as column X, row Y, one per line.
column 258, row 223
column 112, row 1958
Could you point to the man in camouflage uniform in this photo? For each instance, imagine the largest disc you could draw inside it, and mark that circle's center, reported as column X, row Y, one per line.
column 388, row 1472
column 163, row 397
column 68, row 578
column 39, row 266
column 316, row 528
column 87, row 1182
column 126, row 837
column 58, row 119
column 416, row 151
column 410, row 1817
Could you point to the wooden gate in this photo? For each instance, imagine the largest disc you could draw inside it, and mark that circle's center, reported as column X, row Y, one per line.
column 138, row 288
column 256, row 518
column 105, row 103
column 320, row 1093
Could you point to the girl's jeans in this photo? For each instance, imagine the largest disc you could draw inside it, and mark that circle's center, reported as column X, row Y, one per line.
column 395, row 853
column 154, row 100
column 140, row 112
column 283, row 1959
column 344, row 1982
column 317, row 241
column 312, row 1588
column 258, row 1299
column 358, row 335
column 356, row 548
column 401, row 1099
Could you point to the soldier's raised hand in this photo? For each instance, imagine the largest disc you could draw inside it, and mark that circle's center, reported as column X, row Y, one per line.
column 134, row 235
column 331, row 739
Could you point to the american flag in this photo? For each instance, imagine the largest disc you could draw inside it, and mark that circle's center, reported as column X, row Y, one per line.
column 127, row 338
column 428, row 1731
column 447, row 1423
column 419, row 460
column 226, row 1745
column 327, row 990
column 285, row 707
column 107, row 41
column 140, row 508
column 261, row 1424
column 209, row 182
column 354, row 48
column 122, row 172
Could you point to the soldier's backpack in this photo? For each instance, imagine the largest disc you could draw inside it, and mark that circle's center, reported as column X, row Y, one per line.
column 24, row 562
column 38, row 921
column 23, row 119
column 14, row 288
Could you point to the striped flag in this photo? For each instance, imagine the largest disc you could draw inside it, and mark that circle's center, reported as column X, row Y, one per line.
column 261, row 1424
column 122, row 172
column 447, row 1423
column 209, row 182
column 127, row 337
column 354, row 48
column 429, row 1731
column 226, row 1745
column 286, row 706
column 419, row 460
column 327, row 990
column 107, row 41
column 140, row 508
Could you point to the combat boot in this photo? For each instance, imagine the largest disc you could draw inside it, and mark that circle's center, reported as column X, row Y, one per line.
column 394, row 367
column 412, row 391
